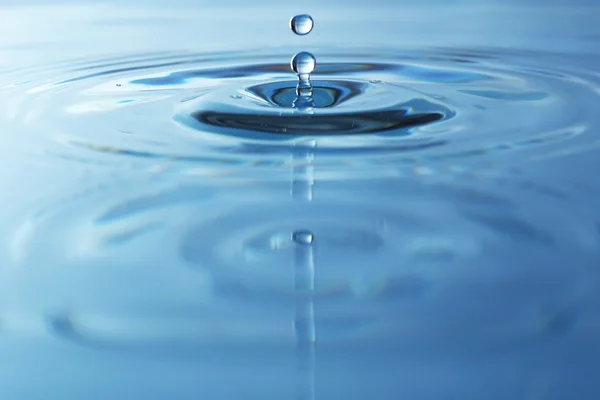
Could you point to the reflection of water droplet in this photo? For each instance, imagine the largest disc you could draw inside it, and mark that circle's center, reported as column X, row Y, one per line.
column 304, row 321
column 303, row 171
column 302, row 24
column 302, row 237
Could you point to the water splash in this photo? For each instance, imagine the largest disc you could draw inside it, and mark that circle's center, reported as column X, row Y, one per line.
column 303, row 64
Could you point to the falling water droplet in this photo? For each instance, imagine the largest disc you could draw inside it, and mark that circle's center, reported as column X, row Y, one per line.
column 304, row 321
column 302, row 24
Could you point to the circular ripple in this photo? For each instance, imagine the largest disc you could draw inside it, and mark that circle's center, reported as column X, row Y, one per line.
column 252, row 249
column 434, row 254
column 202, row 111
column 366, row 249
column 338, row 108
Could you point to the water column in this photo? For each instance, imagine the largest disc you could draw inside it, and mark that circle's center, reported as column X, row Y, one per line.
column 303, row 64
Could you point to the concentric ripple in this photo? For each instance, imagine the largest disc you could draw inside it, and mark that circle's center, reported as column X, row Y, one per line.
column 231, row 110
column 434, row 255
column 340, row 108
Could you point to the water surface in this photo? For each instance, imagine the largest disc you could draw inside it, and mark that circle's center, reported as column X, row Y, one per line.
column 173, row 229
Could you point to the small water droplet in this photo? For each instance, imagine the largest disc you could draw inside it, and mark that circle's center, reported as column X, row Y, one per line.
column 302, row 24
column 302, row 237
column 303, row 63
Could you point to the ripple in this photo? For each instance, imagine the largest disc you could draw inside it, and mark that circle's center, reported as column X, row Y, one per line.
column 355, row 123
column 231, row 110
column 406, row 249
column 177, row 335
column 339, row 108
column 209, row 270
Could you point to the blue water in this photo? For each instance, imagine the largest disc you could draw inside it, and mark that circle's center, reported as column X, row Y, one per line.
column 174, row 228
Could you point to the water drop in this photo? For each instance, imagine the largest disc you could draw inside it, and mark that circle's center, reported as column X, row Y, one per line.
column 302, row 237
column 302, row 24
column 303, row 63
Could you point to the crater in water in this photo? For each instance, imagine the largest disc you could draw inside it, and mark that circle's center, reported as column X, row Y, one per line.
column 339, row 107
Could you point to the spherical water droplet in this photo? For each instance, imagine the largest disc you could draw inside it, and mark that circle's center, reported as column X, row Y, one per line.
column 302, row 24
column 302, row 237
column 303, row 63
